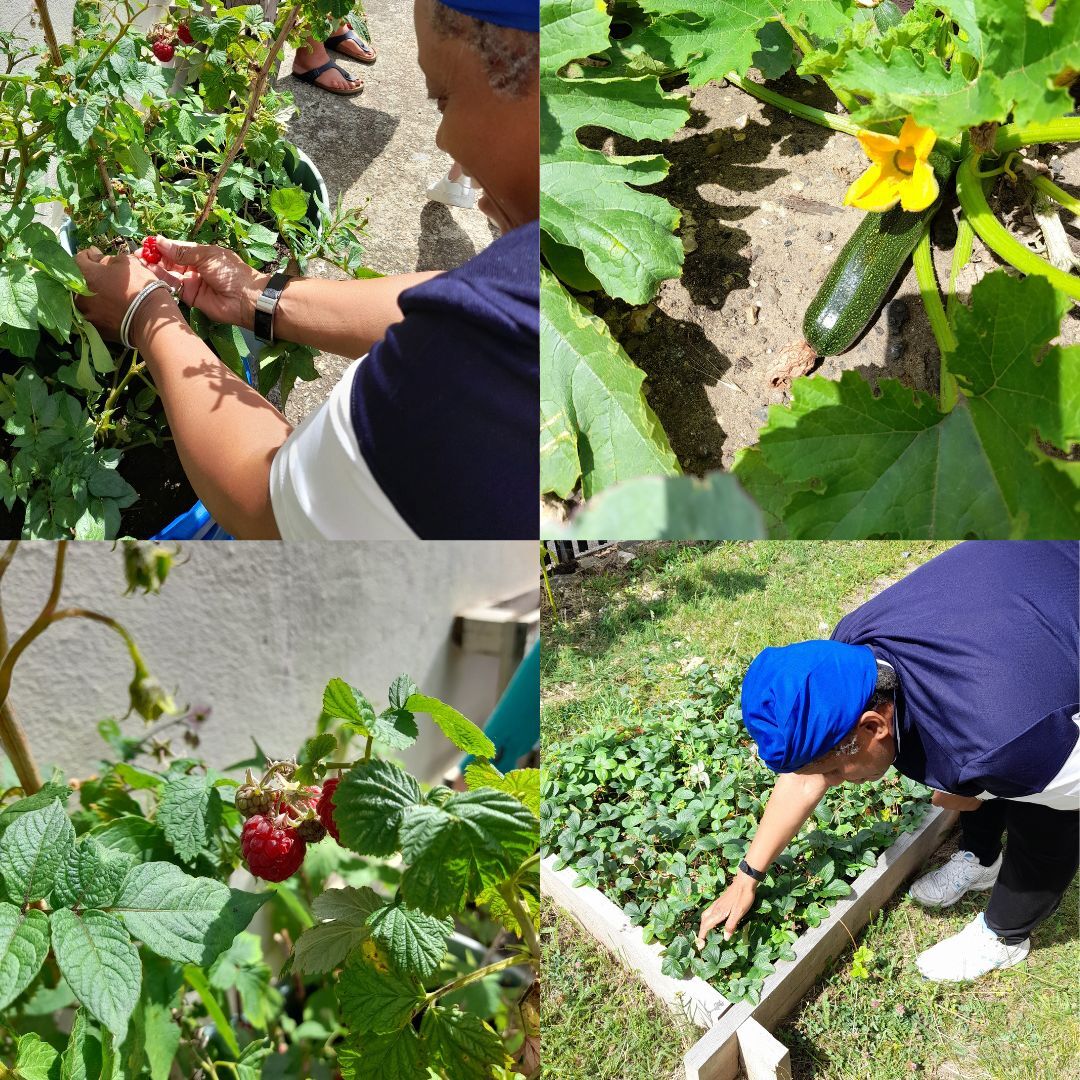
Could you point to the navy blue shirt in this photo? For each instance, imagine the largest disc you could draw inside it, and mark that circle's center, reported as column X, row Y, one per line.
column 446, row 406
column 985, row 641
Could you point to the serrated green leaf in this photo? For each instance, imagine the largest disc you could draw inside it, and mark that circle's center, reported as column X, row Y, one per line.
column 672, row 507
column 369, row 804
column 24, row 944
column 395, row 728
column 81, row 1059
column 414, row 941
column 289, row 204
column 862, row 466
column 100, row 964
column 187, row 919
column 344, row 702
column 586, row 202
column 189, row 813
column 135, row 836
column 376, row 999
column 316, row 748
column 476, row 838
column 401, row 689
column 595, row 425
column 51, row 789
column 397, row 1056
column 91, row 876
column 523, row 784
column 33, row 849
column 323, row 947
column 460, row 730
column 35, row 1059
column 462, row 1043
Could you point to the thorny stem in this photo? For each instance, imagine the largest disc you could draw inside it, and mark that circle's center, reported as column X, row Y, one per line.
column 106, row 183
column 796, row 108
column 253, row 104
column 939, row 323
column 48, row 31
column 120, row 34
column 517, row 909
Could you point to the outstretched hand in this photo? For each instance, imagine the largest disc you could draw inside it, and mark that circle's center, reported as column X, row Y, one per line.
column 729, row 908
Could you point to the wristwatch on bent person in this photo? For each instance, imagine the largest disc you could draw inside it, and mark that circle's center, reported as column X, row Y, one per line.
column 757, row 875
column 266, row 306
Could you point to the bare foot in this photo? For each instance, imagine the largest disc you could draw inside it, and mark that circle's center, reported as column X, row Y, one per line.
column 314, row 55
column 351, row 49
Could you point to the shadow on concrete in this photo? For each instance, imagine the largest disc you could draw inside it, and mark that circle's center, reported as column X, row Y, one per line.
column 443, row 244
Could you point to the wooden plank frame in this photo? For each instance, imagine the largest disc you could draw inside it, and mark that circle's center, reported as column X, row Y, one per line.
column 728, row 1043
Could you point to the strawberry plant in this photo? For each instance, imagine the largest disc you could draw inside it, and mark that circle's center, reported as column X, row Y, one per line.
column 657, row 813
column 940, row 90
column 138, row 149
column 411, row 922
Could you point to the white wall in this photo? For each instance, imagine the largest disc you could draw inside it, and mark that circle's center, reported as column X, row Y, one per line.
column 256, row 630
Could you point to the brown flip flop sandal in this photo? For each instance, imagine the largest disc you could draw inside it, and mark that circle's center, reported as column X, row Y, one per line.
column 333, row 43
column 311, row 78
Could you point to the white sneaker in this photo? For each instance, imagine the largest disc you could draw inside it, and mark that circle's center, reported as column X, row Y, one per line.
column 970, row 954
column 945, row 885
column 454, row 192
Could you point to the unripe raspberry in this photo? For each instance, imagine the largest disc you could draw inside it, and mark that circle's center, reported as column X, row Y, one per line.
column 311, row 831
column 272, row 850
column 252, row 799
column 326, row 808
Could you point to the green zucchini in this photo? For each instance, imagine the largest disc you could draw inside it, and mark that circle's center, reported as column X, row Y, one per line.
column 865, row 270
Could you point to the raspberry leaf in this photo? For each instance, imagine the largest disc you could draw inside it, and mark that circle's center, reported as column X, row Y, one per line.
column 101, row 965
column 369, row 804
column 523, row 784
column 414, row 941
column 399, row 1056
column 474, row 839
column 92, row 875
column 376, row 997
column 24, row 944
column 135, row 836
column 51, row 789
column 344, row 702
column 462, row 1043
column 324, row 946
column 401, row 689
column 189, row 813
column 32, row 851
column 188, row 919
column 395, row 728
column 461, row 731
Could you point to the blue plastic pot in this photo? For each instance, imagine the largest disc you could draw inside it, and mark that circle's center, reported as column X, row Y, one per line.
column 196, row 523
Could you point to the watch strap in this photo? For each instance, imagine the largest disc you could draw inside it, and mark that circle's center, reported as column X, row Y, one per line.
column 746, row 868
column 266, row 305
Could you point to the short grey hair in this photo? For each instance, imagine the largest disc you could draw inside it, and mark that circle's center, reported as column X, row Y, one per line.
column 511, row 56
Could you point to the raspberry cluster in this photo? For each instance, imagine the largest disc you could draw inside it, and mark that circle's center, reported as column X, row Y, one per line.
column 150, row 253
column 282, row 819
column 163, row 40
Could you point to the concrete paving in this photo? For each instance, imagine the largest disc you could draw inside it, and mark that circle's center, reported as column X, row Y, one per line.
column 378, row 148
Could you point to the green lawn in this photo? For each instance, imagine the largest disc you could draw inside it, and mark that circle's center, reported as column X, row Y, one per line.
column 620, row 644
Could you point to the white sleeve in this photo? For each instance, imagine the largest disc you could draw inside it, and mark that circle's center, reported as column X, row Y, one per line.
column 320, row 485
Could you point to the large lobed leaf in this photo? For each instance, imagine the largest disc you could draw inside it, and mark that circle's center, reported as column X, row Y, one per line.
column 852, row 465
column 596, row 425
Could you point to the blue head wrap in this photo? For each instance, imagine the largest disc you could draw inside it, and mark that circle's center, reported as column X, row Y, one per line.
column 799, row 701
column 520, row 14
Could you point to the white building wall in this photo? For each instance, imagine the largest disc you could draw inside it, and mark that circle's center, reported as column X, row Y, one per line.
column 256, row 630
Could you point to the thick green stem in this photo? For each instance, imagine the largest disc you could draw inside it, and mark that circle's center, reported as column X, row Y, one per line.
column 106, row 410
column 969, row 190
column 524, row 920
column 472, row 977
column 805, row 46
column 1049, row 188
column 1067, row 129
column 965, row 237
column 939, row 323
column 796, row 108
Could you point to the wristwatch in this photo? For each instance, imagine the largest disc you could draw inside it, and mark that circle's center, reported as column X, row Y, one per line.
column 267, row 304
column 746, row 868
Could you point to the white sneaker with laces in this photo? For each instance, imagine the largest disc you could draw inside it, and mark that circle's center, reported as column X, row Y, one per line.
column 945, row 885
column 970, row 954
column 454, row 192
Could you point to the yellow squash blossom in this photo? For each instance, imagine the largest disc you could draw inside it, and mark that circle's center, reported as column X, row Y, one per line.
column 900, row 172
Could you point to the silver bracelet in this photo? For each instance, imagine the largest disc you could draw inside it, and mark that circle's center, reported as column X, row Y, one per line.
column 133, row 307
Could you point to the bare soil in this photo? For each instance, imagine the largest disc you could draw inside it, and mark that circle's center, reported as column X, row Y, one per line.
column 761, row 195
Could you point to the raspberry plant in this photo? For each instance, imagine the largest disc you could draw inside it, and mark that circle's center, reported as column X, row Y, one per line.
column 991, row 454
column 658, row 813
column 193, row 151
column 118, row 900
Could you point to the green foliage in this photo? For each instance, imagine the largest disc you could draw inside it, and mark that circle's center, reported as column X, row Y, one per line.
column 659, row 814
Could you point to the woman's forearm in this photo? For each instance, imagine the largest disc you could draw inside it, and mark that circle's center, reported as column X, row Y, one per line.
column 225, row 432
column 343, row 317
column 792, row 800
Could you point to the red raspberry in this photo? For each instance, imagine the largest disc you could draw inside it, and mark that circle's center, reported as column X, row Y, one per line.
column 326, row 808
column 272, row 851
column 184, row 34
column 150, row 251
column 163, row 51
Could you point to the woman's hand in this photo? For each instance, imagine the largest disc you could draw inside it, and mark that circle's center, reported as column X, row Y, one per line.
column 729, row 908
column 213, row 279
column 115, row 280
column 954, row 802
